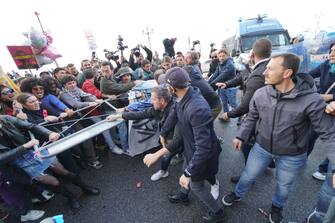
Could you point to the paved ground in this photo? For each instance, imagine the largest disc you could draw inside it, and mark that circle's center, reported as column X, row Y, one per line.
column 121, row 201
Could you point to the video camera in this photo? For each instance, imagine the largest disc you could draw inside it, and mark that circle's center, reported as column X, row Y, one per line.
column 120, row 45
column 111, row 55
column 195, row 42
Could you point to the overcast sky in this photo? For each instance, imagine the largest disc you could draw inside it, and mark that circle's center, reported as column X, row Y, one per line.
column 207, row 21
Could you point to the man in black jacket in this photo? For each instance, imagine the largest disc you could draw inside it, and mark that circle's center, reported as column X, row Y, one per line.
column 197, row 80
column 260, row 57
column 214, row 63
column 201, row 146
column 163, row 103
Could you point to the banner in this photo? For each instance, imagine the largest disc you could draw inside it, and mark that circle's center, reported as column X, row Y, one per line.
column 90, row 40
column 23, row 57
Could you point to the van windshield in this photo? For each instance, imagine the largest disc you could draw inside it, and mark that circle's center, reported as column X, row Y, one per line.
column 277, row 39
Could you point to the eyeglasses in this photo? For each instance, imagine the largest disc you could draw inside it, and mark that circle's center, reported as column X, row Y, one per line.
column 38, row 88
column 7, row 92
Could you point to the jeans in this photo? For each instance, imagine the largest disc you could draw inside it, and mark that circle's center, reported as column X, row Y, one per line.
column 106, row 134
column 108, row 137
column 123, row 133
column 166, row 159
column 228, row 97
column 326, row 197
column 287, row 170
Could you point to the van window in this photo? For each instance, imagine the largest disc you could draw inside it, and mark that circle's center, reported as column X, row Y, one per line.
column 277, row 39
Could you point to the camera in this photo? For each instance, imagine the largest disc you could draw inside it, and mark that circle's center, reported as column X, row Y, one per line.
column 196, row 42
column 120, row 45
column 137, row 51
column 110, row 55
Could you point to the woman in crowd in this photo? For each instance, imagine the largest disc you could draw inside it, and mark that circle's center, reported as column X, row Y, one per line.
column 57, row 108
column 13, row 133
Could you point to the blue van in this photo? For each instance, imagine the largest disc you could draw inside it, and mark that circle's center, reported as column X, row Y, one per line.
column 311, row 54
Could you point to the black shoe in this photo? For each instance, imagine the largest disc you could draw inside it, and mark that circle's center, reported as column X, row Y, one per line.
column 275, row 215
column 235, row 179
column 91, row 190
column 179, row 198
column 219, row 217
column 74, row 203
column 229, row 199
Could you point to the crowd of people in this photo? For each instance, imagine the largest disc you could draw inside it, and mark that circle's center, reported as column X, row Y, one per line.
column 281, row 113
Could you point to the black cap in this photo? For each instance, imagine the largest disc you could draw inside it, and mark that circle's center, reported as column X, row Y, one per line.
column 177, row 77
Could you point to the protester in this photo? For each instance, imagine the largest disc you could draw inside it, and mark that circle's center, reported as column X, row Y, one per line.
column 282, row 130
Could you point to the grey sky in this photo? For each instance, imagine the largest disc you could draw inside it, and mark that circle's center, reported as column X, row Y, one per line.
column 207, row 21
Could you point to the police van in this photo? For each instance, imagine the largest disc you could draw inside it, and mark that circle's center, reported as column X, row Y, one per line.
column 311, row 53
column 253, row 29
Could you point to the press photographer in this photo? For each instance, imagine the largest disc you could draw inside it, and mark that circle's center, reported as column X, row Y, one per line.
column 168, row 46
column 113, row 55
column 135, row 63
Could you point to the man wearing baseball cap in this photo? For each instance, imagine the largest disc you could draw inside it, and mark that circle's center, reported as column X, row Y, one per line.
column 201, row 146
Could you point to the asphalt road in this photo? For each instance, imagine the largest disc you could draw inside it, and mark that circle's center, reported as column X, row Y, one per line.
column 128, row 195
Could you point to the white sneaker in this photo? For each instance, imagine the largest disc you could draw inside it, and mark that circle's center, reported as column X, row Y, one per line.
column 319, row 176
column 32, row 215
column 215, row 190
column 159, row 174
column 117, row 150
column 46, row 194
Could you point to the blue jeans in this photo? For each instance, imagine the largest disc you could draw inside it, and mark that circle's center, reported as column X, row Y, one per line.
column 123, row 133
column 122, row 127
column 228, row 97
column 326, row 194
column 287, row 170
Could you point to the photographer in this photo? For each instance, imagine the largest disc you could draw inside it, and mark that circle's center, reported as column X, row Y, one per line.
column 136, row 63
column 168, row 46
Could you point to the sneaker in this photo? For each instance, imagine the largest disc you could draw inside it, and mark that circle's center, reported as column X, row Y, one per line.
column 275, row 215
column 47, row 195
column 229, row 199
column 179, row 198
column 95, row 164
column 32, row 215
column 159, row 174
column 117, row 150
column 319, row 176
column 219, row 217
column 215, row 190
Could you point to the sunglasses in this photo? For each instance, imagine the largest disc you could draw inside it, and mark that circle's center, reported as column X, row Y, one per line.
column 7, row 92
column 214, row 57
